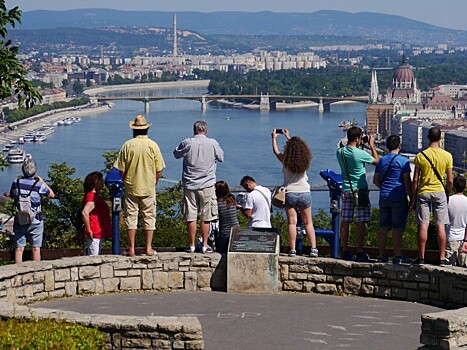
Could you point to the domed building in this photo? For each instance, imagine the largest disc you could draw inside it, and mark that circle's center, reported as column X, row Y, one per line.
column 403, row 89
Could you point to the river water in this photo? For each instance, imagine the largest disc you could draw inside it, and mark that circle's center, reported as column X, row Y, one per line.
column 244, row 135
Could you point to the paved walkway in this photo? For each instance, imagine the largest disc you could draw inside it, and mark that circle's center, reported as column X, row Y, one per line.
column 282, row 321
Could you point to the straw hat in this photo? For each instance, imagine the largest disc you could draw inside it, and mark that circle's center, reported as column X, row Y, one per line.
column 140, row 123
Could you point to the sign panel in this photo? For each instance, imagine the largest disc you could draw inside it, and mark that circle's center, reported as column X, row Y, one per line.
column 246, row 240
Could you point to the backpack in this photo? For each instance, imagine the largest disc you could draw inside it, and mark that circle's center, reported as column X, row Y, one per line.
column 24, row 216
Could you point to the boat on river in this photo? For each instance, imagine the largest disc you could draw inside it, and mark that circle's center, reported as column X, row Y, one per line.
column 347, row 124
column 15, row 156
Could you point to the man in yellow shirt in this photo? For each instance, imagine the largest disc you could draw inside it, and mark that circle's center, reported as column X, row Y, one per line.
column 431, row 165
column 140, row 163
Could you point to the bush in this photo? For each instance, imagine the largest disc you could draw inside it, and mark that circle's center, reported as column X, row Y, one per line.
column 48, row 334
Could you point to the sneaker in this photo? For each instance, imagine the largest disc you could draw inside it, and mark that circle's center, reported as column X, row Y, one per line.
column 292, row 252
column 207, row 250
column 346, row 255
column 190, row 249
column 314, row 253
column 362, row 257
column 397, row 260
column 418, row 261
column 445, row 262
column 382, row 259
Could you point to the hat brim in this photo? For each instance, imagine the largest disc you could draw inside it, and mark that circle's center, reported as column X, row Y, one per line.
column 139, row 127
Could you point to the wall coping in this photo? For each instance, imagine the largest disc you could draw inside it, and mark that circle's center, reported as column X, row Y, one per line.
column 35, row 281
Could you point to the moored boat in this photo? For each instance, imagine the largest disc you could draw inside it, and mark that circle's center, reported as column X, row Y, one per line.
column 15, row 155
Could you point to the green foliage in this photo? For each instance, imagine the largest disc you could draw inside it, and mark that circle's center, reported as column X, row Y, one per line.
column 48, row 334
column 59, row 231
column 21, row 113
column 13, row 82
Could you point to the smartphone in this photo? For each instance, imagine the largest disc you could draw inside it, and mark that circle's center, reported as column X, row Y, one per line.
column 279, row 131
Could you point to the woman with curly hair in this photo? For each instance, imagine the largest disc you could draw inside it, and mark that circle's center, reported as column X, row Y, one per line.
column 227, row 209
column 296, row 160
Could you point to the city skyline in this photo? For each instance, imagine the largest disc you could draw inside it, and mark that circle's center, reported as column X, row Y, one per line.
column 448, row 13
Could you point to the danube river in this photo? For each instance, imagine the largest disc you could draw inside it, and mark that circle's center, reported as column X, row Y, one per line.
column 245, row 136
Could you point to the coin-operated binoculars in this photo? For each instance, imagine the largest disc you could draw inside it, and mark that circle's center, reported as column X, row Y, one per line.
column 334, row 182
column 114, row 182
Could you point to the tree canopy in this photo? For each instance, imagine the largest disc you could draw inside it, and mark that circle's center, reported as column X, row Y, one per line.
column 13, row 80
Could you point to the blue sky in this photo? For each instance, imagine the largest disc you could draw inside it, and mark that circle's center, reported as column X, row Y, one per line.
column 443, row 13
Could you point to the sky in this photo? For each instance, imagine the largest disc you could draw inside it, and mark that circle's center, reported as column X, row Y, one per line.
column 442, row 13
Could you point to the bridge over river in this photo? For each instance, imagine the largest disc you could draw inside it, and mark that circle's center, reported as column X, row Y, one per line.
column 261, row 102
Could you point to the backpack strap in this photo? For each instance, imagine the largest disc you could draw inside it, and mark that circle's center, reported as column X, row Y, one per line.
column 19, row 189
column 265, row 198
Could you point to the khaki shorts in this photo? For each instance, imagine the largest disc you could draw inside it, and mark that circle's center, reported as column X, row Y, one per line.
column 202, row 202
column 133, row 205
column 436, row 201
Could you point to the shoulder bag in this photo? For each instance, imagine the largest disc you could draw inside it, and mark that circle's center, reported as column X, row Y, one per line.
column 278, row 197
column 438, row 176
column 361, row 197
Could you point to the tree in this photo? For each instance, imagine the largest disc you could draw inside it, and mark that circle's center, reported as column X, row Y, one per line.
column 13, row 74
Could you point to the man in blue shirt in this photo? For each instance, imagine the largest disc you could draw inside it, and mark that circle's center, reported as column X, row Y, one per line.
column 392, row 176
column 352, row 161
column 200, row 156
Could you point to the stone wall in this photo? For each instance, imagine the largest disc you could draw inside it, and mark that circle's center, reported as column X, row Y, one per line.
column 34, row 281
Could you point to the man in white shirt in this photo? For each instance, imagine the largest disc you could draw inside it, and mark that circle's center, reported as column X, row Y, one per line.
column 455, row 230
column 258, row 203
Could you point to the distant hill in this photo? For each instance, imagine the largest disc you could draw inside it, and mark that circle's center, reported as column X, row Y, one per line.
column 337, row 23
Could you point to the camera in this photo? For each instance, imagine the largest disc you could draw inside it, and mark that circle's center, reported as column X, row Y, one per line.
column 279, row 131
column 241, row 198
column 366, row 138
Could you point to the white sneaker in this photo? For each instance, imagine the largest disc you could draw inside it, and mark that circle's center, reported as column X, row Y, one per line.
column 314, row 253
column 207, row 250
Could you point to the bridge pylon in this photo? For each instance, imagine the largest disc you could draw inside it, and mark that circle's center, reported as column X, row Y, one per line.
column 321, row 105
column 204, row 104
column 264, row 103
column 146, row 105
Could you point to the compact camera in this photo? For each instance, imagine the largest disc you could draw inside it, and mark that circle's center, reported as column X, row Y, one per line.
column 366, row 138
column 241, row 199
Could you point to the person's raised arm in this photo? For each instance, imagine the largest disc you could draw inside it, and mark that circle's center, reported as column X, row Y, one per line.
column 275, row 149
column 374, row 154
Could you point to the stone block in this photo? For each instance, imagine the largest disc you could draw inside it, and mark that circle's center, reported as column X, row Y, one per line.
column 87, row 286
column 326, row 288
column 317, row 278
column 298, row 276
column 130, row 283
column 253, row 272
column 368, row 289
column 62, row 275
column 161, row 280
column 284, row 272
column 120, row 273
column 334, row 279
column 74, row 274
column 293, row 285
column 107, row 271
column 111, row 284
column 382, row 291
column 194, row 345
column 49, row 281
column 134, row 272
column 352, row 285
column 298, row 268
column 204, row 279
column 308, row 287
column 191, row 281
column 175, row 280
column 138, row 343
column 71, row 288
column 89, row 272
column 399, row 293
column 147, row 279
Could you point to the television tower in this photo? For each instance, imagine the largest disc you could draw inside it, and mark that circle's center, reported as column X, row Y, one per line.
column 174, row 52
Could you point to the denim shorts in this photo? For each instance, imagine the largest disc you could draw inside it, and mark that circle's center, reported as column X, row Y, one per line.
column 393, row 213
column 32, row 233
column 301, row 200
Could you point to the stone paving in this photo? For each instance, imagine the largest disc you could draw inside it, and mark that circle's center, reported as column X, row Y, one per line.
column 282, row 321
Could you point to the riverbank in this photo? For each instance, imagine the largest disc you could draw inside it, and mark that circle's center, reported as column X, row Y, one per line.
column 37, row 121
column 148, row 86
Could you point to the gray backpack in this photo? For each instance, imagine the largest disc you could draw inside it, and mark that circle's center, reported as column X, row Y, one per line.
column 24, row 215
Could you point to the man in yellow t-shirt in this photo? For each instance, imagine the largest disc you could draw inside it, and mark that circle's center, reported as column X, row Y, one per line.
column 140, row 163
column 431, row 193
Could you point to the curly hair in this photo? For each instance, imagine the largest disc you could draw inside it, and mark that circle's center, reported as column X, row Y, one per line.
column 297, row 155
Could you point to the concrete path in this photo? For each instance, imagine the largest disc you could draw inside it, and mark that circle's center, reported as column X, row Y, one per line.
column 283, row 321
